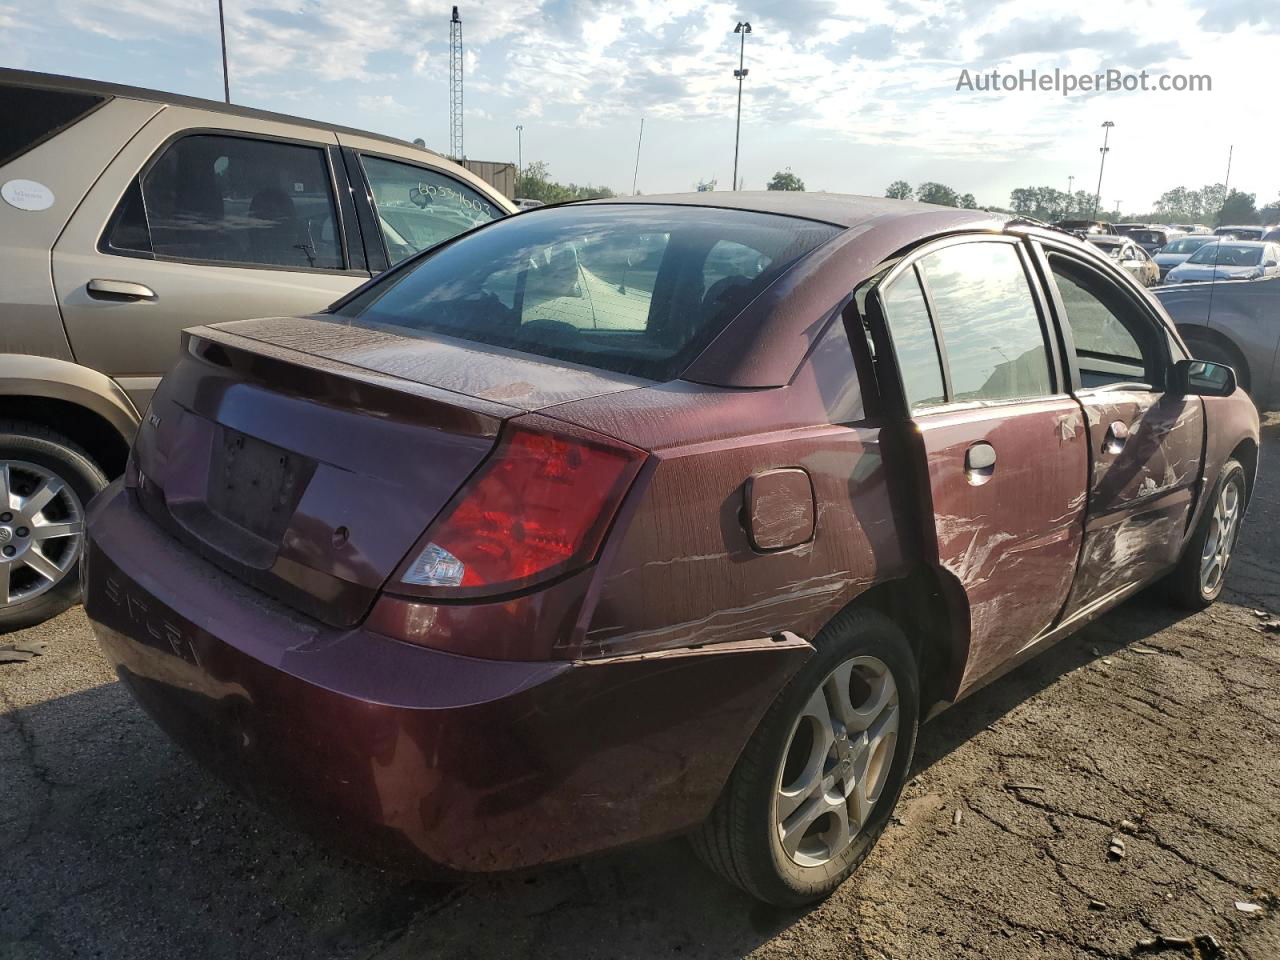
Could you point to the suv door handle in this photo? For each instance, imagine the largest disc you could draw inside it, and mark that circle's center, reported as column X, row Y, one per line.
column 1116, row 436
column 979, row 463
column 120, row 291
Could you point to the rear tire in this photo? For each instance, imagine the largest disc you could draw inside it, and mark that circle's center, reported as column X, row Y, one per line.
column 777, row 830
column 1201, row 573
column 39, row 568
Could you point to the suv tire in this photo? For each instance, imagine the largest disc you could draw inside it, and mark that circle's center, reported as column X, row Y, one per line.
column 41, row 573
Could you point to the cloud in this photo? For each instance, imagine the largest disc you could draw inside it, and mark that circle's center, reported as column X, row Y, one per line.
column 1069, row 33
column 1225, row 16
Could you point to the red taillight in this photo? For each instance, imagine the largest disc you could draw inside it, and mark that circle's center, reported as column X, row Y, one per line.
column 538, row 507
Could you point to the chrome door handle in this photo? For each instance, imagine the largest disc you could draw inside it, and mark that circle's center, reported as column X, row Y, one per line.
column 120, row 291
column 979, row 463
column 1116, row 436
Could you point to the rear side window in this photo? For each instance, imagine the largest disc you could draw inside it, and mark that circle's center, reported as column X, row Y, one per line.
column 231, row 200
column 987, row 322
column 907, row 316
column 632, row 288
column 419, row 208
column 32, row 116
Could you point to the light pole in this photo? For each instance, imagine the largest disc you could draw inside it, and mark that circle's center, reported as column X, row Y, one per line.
column 1071, row 186
column 1104, row 150
column 742, row 29
column 636, row 176
column 519, row 153
column 222, row 32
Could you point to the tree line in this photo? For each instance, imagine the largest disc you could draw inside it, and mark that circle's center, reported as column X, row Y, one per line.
column 535, row 183
column 1210, row 204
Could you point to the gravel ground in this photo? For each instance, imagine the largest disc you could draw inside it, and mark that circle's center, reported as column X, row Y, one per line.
column 1160, row 729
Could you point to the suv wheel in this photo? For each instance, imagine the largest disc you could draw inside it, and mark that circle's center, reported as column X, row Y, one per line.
column 45, row 483
column 814, row 787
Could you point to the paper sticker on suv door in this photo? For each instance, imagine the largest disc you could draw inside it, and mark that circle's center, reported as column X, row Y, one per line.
column 27, row 195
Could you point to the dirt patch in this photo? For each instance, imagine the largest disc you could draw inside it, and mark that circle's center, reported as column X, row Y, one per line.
column 1150, row 728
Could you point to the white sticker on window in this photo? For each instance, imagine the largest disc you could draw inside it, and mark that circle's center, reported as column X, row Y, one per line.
column 27, row 195
column 297, row 187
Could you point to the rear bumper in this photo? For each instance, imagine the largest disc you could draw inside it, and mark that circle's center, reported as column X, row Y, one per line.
column 389, row 748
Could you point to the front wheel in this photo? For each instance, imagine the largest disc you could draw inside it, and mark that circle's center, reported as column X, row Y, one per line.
column 1201, row 574
column 45, row 483
column 816, row 784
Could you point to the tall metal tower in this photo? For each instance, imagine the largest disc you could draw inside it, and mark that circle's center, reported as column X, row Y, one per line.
column 455, row 86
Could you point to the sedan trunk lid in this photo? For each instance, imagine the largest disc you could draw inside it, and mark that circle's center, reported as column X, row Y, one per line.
column 307, row 458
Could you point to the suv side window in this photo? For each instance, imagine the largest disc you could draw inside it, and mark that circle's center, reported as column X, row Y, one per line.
column 232, row 200
column 987, row 322
column 907, row 317
column 32, row 116
column 1114, row 344
column 419, row 208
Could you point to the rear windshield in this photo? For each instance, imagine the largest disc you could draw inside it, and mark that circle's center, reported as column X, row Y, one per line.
column 636, row 289
column 32, row 115
column 1228, row 255
column 1188, row 244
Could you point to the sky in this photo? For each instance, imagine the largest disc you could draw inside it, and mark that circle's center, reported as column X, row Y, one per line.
column 849, row 96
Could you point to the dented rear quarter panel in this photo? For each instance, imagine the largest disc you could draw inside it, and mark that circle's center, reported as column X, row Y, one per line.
column 680, row 567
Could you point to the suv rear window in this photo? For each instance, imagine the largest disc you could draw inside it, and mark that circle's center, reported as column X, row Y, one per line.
column 632, row 288
column 32, row 115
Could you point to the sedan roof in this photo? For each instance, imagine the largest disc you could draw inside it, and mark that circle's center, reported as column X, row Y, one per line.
column 843, row 210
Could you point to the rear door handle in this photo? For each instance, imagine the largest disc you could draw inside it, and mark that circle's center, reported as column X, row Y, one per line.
column 1116, row 436
column 120, row 291
column 979, row 463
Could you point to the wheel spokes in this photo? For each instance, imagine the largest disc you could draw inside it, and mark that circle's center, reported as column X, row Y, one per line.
column 817, row 717
column 48, row 531
column 41, row 496
column 835, row 835
column 41, row 564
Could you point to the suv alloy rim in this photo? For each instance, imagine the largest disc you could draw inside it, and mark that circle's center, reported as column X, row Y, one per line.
column 1222, row 536
column 837, row 761
column 41, row 530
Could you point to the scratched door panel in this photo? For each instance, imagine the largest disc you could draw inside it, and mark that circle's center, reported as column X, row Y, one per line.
column 1012, row 539
column 1141, row 489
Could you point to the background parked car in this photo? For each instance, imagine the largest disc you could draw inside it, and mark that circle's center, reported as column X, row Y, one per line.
column 1129, row 256
column 155, row 212
column 526, row 204
column 1153, row 239
column 1233, row 323
column 1193, row 228
column 1178, row 251
column 1246, row 231
column 1228, row 260
column 1086, row 226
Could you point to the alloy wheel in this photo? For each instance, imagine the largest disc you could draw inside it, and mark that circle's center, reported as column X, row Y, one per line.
column 837, row 761
column 41, row 530
column 1223, row 530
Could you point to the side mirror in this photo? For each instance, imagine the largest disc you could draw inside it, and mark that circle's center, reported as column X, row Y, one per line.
column 1202, row 378
column 1271, row 263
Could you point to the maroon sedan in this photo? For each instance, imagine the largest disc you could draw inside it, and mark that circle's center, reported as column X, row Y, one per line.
column 626, row 519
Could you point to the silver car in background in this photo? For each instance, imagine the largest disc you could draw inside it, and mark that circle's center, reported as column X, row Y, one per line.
column 1236, row 322
column 1179, row 250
